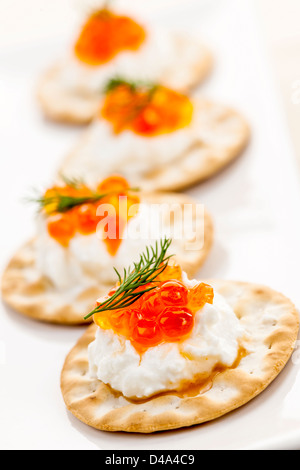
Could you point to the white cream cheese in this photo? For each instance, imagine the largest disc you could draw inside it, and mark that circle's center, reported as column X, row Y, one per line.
column 155, row 60
column 86, row 261
column 214, row 341
column 104, row 153
column 101, row 152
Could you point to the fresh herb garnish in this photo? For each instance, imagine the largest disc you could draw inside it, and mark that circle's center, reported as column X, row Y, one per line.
column 116, row 82
column 75, row 183
column 152, row 263
column 63, row 203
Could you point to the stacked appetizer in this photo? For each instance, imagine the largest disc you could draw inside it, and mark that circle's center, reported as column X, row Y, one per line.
column 166, row 352
column 112, row 43
column 159, row 138
column 82, row 232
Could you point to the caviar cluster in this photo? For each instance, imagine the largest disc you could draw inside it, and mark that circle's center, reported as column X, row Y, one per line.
column 105, row 35
column 147, row 111
column 165, row 314
column 85, row 218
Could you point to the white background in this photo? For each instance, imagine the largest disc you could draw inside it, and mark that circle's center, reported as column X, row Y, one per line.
column 255, row 205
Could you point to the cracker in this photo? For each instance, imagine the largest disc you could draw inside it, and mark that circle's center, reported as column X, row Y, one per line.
column 79, row 106
column 28, row 293
column 222, row 136
column 62, row 106
column 24, row 290
column 270, row 319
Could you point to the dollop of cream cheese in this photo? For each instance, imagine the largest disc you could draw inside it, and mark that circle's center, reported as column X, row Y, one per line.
column 138, row 157
column 156, row 58
column 86, row 261
column 214, row 341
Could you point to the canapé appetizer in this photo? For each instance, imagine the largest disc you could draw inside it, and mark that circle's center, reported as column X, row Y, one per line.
column 166, row 352
column 157, row 137
column 110, row 43
column 84, row 232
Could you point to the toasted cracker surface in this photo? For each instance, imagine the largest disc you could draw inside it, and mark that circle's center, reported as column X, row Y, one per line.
column 222, row 136
column 79, row 106
column 28, row 293
column 272, row 324
column 63, row 106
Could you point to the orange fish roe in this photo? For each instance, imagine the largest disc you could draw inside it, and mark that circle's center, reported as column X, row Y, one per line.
column 61, row 227
column 165, row 314
column 105, row 35
column 116, row 199
column 145, row 112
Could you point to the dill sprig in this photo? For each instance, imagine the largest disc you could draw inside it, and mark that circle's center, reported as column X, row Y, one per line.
column 134, row 86
column 62, row 203
column 152, row 263
column 75, row 183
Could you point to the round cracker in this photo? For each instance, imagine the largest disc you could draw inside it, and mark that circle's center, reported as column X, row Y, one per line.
column 80, row 107
column 28, row 293
column 222, row 137
column 271, row 322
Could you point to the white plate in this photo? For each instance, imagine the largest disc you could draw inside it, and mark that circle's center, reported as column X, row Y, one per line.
column 255, row 204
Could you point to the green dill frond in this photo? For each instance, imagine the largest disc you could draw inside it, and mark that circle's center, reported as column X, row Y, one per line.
column 152, row 263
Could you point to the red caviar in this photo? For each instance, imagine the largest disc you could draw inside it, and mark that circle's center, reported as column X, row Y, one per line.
column 87, row 218
column 114, row 228
column 174, row 293
column 176, row 322
column 61, row 228
column 119, row 183
column 165, row 314
column 105, row 35
column 145, row 112
column 151, row 304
